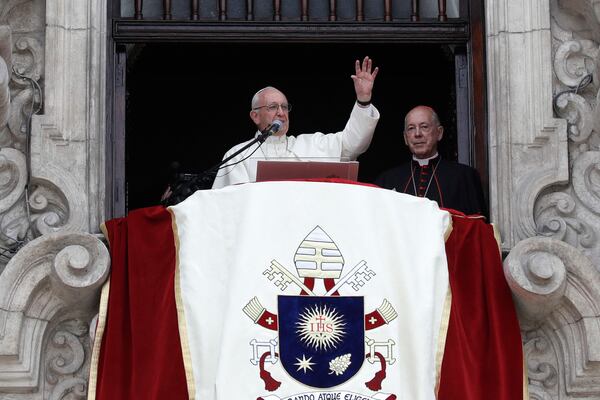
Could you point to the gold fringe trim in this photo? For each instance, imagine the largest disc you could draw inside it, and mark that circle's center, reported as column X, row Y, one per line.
column 445, row 321
column 448, row 229
column 100, row 326
column 441, row 344
column 525, row 380
column 183, row 335
column 498, row 238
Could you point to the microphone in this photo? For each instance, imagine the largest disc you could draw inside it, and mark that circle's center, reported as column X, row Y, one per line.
column 271, row 129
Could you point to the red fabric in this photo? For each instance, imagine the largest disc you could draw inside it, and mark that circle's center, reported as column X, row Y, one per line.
column 483, row 358
column 341, row 180
column 330, row 180
column 140, row 356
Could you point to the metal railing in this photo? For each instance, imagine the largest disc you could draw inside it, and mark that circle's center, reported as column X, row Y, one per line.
column 220, row 10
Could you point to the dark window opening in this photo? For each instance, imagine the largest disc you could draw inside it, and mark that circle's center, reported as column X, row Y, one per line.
column 189, row 103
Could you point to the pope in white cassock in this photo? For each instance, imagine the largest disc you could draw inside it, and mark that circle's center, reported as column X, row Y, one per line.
column 270, row 104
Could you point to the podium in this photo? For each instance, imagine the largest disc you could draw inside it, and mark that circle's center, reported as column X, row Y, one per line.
column 279, row 170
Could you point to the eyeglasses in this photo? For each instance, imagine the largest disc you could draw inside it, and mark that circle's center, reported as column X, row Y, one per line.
column 273, row 107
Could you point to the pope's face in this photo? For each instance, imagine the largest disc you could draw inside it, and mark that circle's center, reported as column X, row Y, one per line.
column 422, row 133
column 272, row 105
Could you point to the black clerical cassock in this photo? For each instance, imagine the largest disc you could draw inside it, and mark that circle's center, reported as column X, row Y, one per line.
column 451, row 185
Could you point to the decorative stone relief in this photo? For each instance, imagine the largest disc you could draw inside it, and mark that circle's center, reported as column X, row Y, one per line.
column 62, row 146
column 67, row 361
column 25, row 20
column 21, row 61
column 51, row 193
column 542, row 366
column 553, row 268
column 557, row 292
column 51, row 164
column 572, row 212
column 556, row 217
column 13, row 170
column 5, row 72
column 56, row 276
column 23, row 216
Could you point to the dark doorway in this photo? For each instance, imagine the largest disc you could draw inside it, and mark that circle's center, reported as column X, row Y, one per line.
column 189, row 103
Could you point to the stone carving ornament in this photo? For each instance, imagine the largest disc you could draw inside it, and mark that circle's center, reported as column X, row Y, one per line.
column 25, row 19
column 49, row 164
column 557, row 291
column 576, row 216
column 555, row 272
column 67, row 360
column 5, row 73
column 541, row 364
column 29, row 206
column 55, row 276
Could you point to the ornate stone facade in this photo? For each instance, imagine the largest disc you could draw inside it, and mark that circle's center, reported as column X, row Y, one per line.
column 544, row 127
column 543, row 65
column 52, row 262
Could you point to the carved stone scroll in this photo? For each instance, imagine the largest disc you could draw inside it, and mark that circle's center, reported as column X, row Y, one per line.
column 557, row 292
column 56, row 274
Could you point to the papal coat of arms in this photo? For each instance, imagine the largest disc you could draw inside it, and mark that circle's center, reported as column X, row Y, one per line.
column 322, row 341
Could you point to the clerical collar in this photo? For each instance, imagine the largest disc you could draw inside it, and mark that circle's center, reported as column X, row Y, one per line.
column 425, row 161
column 274, row 146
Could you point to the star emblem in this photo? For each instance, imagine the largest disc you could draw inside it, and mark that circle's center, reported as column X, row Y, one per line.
column 304, row 364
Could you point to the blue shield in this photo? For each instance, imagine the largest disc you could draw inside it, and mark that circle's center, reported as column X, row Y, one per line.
column 321, row 339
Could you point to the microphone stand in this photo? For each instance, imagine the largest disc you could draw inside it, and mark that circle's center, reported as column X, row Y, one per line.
column 181, row 189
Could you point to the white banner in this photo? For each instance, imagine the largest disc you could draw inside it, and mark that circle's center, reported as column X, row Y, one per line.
column 315, row 288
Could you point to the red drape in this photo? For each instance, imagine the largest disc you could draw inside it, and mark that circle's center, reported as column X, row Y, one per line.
column 141, row 356
column 483, row 358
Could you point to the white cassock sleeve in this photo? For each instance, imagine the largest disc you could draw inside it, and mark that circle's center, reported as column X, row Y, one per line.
column 349, row 143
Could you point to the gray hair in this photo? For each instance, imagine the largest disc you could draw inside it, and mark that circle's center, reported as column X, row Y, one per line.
column 434, row 116
column 256, row 98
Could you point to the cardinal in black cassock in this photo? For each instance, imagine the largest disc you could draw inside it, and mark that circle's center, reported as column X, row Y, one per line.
column 450, row 184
